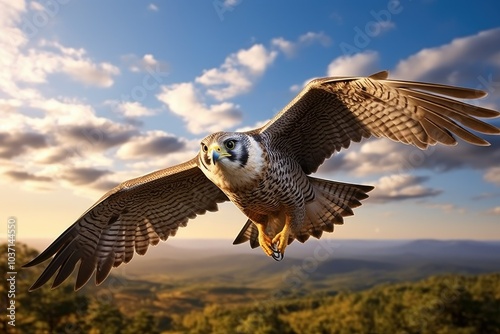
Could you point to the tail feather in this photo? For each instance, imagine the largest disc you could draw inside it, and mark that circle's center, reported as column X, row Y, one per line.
column 333, row 201
column 248, row 232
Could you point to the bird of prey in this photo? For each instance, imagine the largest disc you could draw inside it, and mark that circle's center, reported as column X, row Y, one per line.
column 266, row 172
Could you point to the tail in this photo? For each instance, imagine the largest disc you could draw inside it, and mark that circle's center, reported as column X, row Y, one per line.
column 333, row 201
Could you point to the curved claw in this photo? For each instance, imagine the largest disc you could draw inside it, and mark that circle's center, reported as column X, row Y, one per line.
column 277, row 255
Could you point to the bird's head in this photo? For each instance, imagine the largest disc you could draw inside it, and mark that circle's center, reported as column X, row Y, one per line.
column 230, row 157
column 224, row 150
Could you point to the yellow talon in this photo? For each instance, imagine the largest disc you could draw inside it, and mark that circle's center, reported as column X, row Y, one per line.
column 281, row 240
column 265, row 240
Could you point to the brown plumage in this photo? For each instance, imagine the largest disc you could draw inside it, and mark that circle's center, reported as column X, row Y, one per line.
column 265, row 172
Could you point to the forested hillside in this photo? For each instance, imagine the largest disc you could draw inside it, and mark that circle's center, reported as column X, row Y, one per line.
column 439, row 304
column 443, row 304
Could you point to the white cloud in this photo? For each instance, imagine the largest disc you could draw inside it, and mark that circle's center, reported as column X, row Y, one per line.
column 492, row 175
column 376, row 156
column 83, row 70
column 285, row 46
column 69, row 132
column 150, row 144
column 149, row 60
column 238, row 73
column 146, row 63
column 257, row 125
column 55, row 133
column 63, row 112
column 314, row 37
column 256, row 59
column 36, row 6
column 182, row 99
column 11, row 11
column 381, row 27
column 364, row 63
column 400, row 187
column 153, row 7
column 36, row 64
column 381, row 155
column 231, row 2
column 290, row 48
column 461, row 59
column 131, row 109
column 295, row 88
column 59, row 141
column 135, row 166
column 11, row 40
column 71, row 136
column 391, row 159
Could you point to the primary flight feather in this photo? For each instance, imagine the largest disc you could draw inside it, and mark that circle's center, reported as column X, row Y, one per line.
column 266, row 173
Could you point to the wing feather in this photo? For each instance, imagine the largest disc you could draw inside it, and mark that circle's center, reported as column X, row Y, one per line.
column 330, row 113
column 132, row 216
column 248, row 232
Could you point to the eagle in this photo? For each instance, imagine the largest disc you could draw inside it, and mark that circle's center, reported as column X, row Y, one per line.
column 266, row 173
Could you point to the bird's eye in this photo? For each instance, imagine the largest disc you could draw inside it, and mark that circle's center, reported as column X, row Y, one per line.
column 230, row 144
column 204, row 148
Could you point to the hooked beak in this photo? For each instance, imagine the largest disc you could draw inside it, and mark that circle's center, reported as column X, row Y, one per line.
column 216, row 153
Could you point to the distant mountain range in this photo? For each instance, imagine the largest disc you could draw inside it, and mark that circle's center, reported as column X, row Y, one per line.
column 183, row 250
column 333, row 263
column 319, row 260
column 187, row 274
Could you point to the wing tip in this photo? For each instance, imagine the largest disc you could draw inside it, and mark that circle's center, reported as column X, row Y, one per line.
column 381, row 75
column 31, row 263
column 42, row 280
column 242, row 237
column 35, row 286
column 238, row 241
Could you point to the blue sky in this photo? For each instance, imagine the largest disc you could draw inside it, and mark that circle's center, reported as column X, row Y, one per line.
column 94, row 93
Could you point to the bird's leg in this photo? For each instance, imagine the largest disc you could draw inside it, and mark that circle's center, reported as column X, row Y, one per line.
column 265, row 240
column 280, row 241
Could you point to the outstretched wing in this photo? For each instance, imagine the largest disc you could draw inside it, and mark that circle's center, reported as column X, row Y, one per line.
column 135, row 214
column 330, row 113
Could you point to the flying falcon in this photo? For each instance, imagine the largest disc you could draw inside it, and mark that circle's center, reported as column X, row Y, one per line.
column 265, row 172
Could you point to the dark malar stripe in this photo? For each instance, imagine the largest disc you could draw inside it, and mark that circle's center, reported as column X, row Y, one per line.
column 244, row 155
